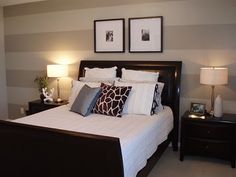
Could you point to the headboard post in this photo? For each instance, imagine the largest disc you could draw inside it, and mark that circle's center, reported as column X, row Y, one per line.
column 169, row 73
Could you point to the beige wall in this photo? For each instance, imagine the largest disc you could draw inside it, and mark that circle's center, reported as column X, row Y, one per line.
column 3, row 89
column 197, row 32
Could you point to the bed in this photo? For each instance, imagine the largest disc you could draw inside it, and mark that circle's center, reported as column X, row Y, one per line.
column 29, row 150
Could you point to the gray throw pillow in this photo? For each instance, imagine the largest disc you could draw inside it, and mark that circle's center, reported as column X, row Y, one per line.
column 86, row 100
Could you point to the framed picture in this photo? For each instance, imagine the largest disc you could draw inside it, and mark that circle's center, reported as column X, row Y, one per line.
column 197, row 108
column 109, row 36
column 146, row 34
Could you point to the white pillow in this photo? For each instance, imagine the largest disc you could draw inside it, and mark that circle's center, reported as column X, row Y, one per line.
column 100, row 72
column 140, row 98
column 134, row 75
column 76, row 87
column 157, row 106
column 100, row 80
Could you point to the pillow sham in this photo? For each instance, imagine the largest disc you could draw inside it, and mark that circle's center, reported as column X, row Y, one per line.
column 144, row 92
column 76, row 87
column 111, row 100
column 100, row 72
column 85, row 100
column 134, row 75
column 140, row 99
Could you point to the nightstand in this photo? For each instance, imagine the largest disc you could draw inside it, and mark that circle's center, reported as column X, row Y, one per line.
column 209, row 136
column 38, row 106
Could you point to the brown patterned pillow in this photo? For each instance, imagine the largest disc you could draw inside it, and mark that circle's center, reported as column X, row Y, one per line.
column 112, row 100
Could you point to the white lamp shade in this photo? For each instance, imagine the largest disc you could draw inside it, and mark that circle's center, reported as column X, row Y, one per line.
column 214, row 76
column 57, row 70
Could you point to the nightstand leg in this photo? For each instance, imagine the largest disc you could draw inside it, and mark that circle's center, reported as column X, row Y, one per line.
column 181, row 157
column 233, row 163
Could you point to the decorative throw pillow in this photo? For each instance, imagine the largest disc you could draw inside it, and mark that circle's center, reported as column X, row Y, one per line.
column 76, row 87
column 86, row 100
column 112, row 100
column 133, row 75
column 156, row 105
column 100, row 72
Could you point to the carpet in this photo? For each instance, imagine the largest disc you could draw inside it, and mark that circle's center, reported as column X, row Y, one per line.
column 193, row 166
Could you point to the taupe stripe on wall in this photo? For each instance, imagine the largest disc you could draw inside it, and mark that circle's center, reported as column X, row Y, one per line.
column 74, row 40
column 61, row 5
column 175, row 37
column 21, row 78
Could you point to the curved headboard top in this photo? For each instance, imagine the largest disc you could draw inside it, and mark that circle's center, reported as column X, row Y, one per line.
column 169, row 73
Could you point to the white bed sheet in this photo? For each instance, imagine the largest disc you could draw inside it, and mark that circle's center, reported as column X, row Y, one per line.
column 139, row 134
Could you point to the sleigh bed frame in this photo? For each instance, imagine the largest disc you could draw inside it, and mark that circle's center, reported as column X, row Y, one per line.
column 32, row 151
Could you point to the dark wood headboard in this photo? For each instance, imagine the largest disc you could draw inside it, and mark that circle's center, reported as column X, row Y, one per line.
column 169, row 73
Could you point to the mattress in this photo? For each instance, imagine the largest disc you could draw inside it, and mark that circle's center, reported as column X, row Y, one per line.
column 139, row 134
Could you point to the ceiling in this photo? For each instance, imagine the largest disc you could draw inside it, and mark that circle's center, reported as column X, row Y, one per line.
column 13, row 2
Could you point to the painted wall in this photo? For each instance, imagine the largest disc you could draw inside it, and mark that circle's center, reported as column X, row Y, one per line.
column 3, row 88
column 197, row 32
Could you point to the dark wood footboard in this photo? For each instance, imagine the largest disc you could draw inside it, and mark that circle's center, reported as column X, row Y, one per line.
column 31, row 151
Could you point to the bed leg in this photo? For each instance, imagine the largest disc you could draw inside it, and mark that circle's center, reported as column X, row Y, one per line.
column 174, row 143
column 174, row 146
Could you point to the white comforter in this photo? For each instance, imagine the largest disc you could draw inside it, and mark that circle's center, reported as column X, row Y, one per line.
column 139, row 134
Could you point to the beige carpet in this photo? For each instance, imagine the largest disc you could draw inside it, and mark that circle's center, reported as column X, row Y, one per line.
column 192, row 166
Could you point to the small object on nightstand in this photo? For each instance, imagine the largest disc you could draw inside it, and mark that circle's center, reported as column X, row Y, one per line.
column 48, row 95
column 197, row 109
column 218, row 107
column 211, row 136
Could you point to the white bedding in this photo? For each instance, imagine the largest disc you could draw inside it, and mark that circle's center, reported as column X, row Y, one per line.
column 139, row 134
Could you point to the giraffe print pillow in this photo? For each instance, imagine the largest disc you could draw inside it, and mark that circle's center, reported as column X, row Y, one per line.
column 112, row 100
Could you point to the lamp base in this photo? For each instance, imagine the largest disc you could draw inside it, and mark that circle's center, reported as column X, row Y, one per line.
column 211, row 113
column 59, row 100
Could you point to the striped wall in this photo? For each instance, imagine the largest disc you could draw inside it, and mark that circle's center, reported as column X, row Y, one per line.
column 3, row 89
column 197, row 32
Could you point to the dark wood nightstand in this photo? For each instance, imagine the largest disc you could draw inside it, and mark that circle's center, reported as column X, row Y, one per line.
column 38, row 106
column 211, row 136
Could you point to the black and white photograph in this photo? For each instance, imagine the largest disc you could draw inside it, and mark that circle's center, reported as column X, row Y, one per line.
column 109, row 36
column 146, row 34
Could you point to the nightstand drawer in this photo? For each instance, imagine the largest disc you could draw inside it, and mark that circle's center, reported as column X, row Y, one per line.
column 207, row 148
column 209, row 131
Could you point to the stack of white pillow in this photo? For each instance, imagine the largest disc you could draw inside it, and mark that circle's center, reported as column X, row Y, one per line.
column 145, row 88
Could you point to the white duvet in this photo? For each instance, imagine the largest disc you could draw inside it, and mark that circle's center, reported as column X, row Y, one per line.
column 139, row 134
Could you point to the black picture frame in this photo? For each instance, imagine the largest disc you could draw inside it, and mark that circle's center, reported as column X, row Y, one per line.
column 109, row 35
column 146, row 34
column 197, row 109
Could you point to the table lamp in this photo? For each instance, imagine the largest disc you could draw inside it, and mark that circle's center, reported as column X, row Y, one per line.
column 57, row 71
column 213, row 76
